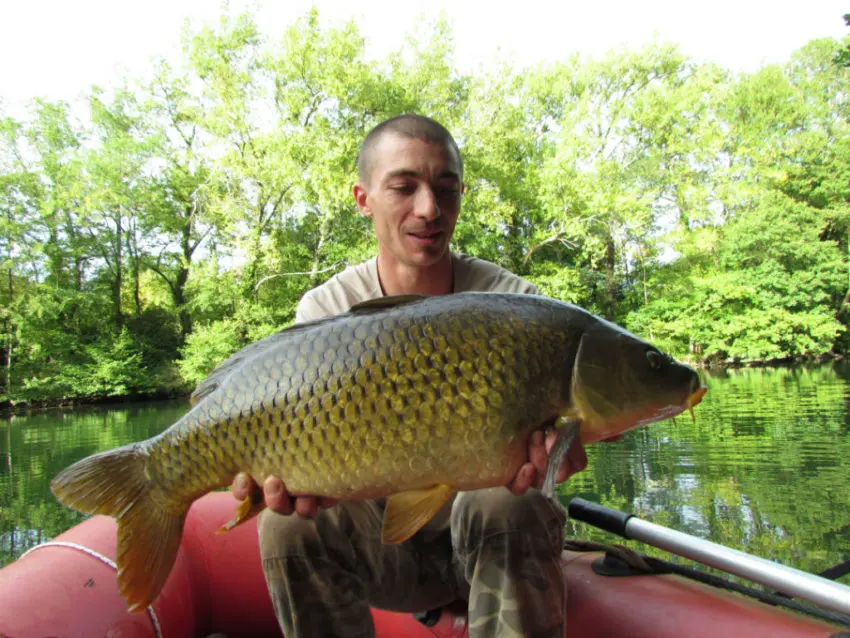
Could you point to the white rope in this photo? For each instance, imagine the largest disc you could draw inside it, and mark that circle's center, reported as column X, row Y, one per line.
column 104, row 559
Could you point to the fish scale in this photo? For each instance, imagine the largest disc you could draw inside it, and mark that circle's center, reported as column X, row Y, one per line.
column 411, row 398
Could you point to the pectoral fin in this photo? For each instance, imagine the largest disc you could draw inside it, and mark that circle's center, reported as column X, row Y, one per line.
column 567, row 432
column 407, row 512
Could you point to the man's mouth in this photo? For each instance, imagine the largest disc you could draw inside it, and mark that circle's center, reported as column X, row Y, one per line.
column 427, row 236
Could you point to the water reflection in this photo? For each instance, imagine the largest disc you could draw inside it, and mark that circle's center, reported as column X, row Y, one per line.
column 765, row 467
column 36, row 447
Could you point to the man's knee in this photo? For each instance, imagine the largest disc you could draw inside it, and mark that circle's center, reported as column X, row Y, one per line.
column 485, row 513
column 337, row 534
column 314, row 572
column 282, row 536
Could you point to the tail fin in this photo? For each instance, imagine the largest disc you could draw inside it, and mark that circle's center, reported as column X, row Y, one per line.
column 150, row 525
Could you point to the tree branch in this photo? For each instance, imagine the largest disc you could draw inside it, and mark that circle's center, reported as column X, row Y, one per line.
column 102, row 252
column 200, row 239
column 311, row 273
column 156, row 269
column 843, row 305
column 557, row 237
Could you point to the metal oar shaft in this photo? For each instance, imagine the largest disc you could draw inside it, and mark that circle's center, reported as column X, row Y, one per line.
column 790, row 581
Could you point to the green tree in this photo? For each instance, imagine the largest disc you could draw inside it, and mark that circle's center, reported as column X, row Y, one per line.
column 705, row 210
column 179, row 216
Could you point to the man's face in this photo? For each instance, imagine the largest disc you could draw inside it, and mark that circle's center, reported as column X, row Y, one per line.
column 413, row 198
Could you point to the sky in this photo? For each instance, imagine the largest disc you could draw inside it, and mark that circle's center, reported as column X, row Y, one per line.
column 57, row 49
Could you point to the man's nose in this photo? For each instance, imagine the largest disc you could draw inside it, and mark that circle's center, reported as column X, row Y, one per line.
column 425, row 205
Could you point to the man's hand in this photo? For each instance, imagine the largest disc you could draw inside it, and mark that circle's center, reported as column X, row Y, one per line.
column 277, row 498
column 533, row 471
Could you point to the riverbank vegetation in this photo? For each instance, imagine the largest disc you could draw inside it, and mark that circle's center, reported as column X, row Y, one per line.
column 147, row 234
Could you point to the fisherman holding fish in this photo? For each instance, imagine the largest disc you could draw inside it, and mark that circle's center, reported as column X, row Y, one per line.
column 415, row 418
column 497, row 548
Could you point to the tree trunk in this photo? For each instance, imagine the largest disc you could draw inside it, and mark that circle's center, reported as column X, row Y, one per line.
column 54, row 251
column 74, row 246
column 133, row 254
column 324, row 227
column 254, row 263
column 118, row 281
column 179, row 290
column 516, row 263
column 610, row 257
column 643, row 268
column 9, row 334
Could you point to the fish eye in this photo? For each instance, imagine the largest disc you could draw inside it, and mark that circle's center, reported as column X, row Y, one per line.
column 655, row 359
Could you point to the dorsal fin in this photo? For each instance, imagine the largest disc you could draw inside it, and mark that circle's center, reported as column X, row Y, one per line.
column 234, row 361
column 384, row 303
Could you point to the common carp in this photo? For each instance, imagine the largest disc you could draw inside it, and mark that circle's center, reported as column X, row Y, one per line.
column 408, row 397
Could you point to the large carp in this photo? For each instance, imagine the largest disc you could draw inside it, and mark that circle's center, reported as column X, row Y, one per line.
column 409, row 397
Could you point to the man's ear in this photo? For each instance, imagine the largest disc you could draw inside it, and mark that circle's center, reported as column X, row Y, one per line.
column 361, row 197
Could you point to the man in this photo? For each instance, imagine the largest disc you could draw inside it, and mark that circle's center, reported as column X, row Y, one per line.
column 499, row 548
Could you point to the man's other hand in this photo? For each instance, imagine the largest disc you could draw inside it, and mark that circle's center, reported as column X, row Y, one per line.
column 533, row 471
column 277, row 498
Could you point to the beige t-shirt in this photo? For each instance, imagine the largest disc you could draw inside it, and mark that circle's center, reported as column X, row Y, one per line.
column 360, row 283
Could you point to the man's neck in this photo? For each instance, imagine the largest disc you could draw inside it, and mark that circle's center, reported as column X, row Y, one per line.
column 401, row 279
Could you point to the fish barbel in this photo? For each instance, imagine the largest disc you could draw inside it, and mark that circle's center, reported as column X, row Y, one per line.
column 409, row 397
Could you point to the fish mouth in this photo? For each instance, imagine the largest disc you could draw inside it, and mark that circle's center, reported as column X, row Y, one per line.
column 633, row 420
column 668, row 412
column 695, row 397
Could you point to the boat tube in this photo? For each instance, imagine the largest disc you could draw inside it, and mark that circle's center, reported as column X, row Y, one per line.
column 67, row 588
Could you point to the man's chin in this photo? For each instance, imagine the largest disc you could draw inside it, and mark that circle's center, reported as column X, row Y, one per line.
column 425, row 257
column 426, row 254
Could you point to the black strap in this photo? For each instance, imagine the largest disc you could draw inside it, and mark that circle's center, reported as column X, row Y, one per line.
column 837, row 571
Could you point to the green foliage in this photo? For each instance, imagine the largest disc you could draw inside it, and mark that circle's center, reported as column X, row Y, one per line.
column 115, row 368
column 156, row 335
column 772, row 296
column 185, row 217
column 207, row 346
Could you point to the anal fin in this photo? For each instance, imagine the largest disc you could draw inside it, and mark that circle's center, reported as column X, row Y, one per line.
column 407, row 512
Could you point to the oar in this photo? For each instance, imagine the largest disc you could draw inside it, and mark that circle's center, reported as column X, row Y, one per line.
column 788, row 580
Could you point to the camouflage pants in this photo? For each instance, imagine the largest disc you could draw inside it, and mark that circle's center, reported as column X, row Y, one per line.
column 498, row 551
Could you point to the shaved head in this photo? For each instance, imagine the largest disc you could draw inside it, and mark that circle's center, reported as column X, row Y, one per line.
column 408, row 125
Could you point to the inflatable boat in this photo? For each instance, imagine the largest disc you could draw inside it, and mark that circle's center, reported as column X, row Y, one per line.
column 66, row 588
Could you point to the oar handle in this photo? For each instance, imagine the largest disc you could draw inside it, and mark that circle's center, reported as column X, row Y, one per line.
column 788, row 580
column 605, row 518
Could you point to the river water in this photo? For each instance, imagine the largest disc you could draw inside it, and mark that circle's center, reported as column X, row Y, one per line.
column 764, row 468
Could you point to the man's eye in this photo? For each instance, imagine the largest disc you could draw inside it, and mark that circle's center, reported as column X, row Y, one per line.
column 402, row 188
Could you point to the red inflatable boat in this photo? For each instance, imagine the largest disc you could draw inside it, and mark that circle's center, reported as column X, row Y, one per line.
column 67, row 588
